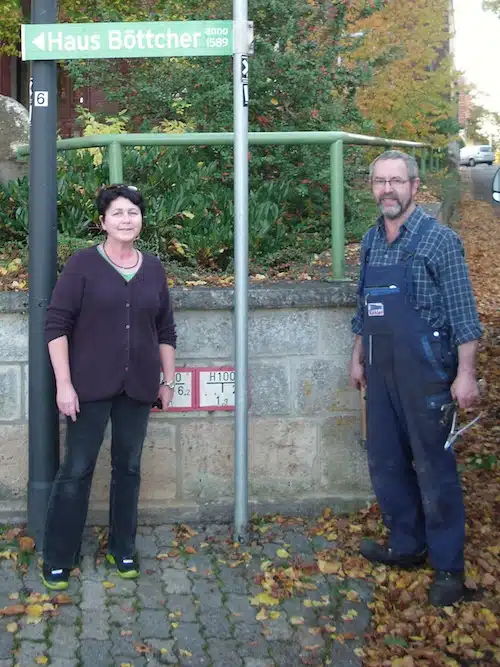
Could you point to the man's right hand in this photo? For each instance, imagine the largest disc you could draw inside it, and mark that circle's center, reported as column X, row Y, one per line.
column 356, row 367
column 357, row 374
column 67, row 400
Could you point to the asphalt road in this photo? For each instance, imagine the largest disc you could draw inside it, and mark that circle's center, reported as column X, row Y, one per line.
column 482, row 177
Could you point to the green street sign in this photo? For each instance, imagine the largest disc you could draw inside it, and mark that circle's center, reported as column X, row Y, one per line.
column 157, row 39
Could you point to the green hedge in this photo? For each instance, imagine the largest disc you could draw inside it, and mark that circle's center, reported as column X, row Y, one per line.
column 189, row 198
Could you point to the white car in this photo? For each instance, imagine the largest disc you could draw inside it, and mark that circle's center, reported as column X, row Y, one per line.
column 495, row 186
column 472, row 155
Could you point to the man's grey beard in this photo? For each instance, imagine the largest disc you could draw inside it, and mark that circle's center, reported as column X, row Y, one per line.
column 395, row 211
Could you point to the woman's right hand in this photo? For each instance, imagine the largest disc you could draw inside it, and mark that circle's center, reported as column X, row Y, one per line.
column 67, row 400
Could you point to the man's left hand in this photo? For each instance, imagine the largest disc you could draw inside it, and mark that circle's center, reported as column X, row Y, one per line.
column 465, row 389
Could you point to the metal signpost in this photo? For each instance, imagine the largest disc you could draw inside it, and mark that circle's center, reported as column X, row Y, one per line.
column 44, row 42
column 43, row 426
column 240, row 107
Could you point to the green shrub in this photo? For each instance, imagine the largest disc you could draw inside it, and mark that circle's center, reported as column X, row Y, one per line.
column 189, row 198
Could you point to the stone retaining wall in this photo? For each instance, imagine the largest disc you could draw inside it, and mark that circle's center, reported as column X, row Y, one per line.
column 304, row 426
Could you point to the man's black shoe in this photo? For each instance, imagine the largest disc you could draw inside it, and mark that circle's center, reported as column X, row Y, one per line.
column 378, row 553
column 447, row 588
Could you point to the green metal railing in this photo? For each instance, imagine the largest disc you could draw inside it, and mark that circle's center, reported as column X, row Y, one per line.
column 336, row 140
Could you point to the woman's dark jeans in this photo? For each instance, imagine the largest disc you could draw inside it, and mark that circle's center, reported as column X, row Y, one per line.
column 68, row 504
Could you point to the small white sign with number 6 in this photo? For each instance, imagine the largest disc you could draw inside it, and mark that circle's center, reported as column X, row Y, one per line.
column 41, row 98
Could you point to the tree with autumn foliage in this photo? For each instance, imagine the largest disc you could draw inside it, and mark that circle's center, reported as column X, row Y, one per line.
column 297, row 78
column 492, row 5
column 405, row 48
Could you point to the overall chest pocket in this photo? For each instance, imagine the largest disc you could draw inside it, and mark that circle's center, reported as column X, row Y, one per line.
column 378, row 300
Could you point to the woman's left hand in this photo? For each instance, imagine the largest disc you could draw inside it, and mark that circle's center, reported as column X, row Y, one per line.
column 166, row 395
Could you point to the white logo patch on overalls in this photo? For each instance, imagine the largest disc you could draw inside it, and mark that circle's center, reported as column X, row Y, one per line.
column 375, row 310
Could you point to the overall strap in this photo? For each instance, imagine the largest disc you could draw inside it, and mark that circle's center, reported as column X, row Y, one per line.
column 412, row 245
column 366, row 247
column 408, row 255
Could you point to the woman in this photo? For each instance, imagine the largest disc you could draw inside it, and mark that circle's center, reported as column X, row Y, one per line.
column 110, row 330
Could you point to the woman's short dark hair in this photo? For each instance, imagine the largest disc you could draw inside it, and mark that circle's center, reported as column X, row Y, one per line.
column 108, row 195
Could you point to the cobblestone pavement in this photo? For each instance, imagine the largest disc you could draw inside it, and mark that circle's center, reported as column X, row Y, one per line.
column 190, row 607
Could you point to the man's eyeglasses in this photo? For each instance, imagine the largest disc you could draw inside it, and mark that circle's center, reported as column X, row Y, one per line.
column 393, row 182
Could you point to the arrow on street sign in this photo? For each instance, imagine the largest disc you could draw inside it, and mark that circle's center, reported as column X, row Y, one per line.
column 39, row 41
column 160, row 39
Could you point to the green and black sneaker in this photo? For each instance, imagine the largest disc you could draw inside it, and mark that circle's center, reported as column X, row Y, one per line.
column 126, row 568
column 55, row 579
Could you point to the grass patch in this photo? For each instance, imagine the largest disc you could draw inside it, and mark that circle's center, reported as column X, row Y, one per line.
column 482, row 462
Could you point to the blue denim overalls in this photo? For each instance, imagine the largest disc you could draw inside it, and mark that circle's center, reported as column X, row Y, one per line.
column 409, row 370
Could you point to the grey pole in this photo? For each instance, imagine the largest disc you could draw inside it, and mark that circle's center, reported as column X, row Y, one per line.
column 240, row 105
column 43, row 417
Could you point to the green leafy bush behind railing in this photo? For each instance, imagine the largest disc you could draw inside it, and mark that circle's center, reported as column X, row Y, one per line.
column 189, row 197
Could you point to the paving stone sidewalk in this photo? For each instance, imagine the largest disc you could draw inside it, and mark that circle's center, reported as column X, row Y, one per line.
column 191, row 607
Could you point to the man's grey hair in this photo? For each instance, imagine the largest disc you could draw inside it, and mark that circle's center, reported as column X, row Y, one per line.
column 409, row 160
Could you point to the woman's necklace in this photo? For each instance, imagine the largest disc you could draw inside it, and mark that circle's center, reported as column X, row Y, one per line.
column 119, row 265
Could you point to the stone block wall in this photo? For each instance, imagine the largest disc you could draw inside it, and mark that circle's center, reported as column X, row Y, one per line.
column 304, row 421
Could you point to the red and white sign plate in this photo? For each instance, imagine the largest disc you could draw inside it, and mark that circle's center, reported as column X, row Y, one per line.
column 209, row 388
column 216, row 388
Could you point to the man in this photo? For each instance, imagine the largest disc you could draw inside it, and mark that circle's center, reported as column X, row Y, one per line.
column 416, row 332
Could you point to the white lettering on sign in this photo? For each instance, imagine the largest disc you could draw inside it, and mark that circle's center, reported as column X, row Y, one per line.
column 159, row 41
column 114, row 39
column 214, row 32
column 54, row 41
column 58, row 42
column 216, row 389
column 138, row 39
column 217, row 42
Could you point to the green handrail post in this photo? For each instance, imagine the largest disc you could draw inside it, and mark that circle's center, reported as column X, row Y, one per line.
column 423, row 159
column 337, row 208
column 115, row 163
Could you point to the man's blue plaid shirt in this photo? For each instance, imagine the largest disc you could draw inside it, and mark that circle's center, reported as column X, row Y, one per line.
column 441, row 281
